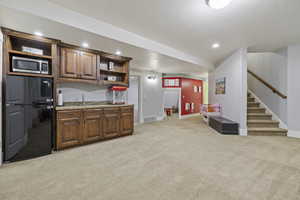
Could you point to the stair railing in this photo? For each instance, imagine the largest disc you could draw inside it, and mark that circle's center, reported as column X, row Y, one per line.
column 267, row 85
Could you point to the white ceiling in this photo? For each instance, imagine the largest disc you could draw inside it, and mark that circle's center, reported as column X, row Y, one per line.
column 179, row 29
column 142, row 59
column 191, row 26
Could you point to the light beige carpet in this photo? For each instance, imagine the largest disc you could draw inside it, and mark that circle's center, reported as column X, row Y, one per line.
column 170, row 160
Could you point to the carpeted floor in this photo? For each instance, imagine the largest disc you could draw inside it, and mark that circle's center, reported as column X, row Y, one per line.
column 169, row 160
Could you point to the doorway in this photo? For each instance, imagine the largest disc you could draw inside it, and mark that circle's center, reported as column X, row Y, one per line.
column 172, row 102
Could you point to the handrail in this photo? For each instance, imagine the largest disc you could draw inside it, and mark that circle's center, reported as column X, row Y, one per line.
column 267, row 84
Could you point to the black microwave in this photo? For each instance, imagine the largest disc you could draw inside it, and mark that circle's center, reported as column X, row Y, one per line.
column 29, row 65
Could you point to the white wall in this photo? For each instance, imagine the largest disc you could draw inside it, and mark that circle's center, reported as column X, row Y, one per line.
column 293, row 91
column 234, row 102
column 272, row 67
column 1, row 45
column 134, row 96
column 151, row 96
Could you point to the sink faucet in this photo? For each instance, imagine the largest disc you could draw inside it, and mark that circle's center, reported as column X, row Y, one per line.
column 83, row 99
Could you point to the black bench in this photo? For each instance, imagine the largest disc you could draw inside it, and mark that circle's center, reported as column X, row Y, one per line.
column 224, row 126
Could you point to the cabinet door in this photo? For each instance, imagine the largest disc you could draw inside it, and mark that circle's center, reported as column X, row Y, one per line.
column 88, row 66
column 127, row 124
column 69, row 63
column 93, row 128
column 69, row 129
column 111, row 123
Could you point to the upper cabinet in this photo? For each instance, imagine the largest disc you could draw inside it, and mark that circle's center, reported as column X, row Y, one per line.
column 92, row 66
column 30, row 55
column 88, row 66
column 69, row 66
column 78, row 64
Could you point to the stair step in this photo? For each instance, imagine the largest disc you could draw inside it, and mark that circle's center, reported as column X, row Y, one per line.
column 256, row 110
column 267, row 132
column 253, row 104
column 251, row 99
column 262, row 124
column 259, row 116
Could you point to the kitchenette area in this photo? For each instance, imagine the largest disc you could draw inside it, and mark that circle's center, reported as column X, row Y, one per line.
column 57, row 96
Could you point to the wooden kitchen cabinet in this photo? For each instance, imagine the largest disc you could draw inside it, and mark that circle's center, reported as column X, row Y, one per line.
column 69, row 127
column 111, row 122
column 77, row 64
column 88, row 65
column 127, row 121
column 69, row 63
column 77, row 127
column 93, row 125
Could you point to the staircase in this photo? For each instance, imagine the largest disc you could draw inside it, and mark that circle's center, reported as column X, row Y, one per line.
column 259, row 122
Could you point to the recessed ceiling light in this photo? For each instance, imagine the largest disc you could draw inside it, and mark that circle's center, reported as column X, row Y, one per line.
column 38, row 33
column 218, row 4
column 215, row 45
column 118, row 52
column 85, row 44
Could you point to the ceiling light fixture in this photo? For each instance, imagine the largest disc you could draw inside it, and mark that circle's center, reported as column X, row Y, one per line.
column 37, row 33
column 118, row 52
column 218, row 4
column 215, row 45
column 85, row 45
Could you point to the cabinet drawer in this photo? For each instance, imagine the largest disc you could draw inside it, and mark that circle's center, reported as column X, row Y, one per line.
column 126, row 109
column 69, row 114
column 111, row 110
column 93, row 113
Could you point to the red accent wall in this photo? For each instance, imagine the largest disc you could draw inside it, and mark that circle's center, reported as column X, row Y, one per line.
column 189, row 96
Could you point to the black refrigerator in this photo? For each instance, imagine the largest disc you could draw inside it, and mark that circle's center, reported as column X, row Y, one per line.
column 28, row 117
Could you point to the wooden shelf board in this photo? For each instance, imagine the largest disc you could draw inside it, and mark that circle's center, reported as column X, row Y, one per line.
column 110, row 71
column 29, row 54
column 28, row 74
column 114, row 82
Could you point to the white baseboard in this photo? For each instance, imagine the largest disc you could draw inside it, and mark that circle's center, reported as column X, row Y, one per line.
column 243, row 132
column 189, row 115
column 281, row 123
column 294, row 134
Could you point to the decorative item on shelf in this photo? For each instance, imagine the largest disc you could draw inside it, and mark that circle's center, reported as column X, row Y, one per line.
column 32, row 50
column 118, row 95
column 112, row 78
column 103, row 66
column 111, row 66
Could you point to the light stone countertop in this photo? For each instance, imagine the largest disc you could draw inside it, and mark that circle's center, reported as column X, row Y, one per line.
column 87, row 105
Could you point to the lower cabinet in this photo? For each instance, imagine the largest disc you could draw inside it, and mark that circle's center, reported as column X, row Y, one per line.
column 127, row 121
column 69, row 128
column 92, row 126
column 111, row 122
column 77, row 127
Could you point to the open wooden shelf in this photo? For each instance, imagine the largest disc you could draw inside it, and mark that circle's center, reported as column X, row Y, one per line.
column 113, row 83
column 111, row 71
column 29, row 54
